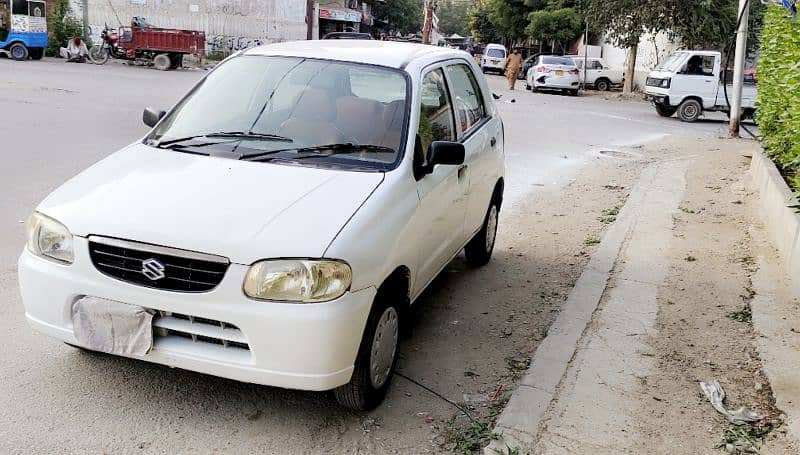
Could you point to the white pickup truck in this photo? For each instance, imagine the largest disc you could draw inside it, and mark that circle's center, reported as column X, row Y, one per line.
column 689, row 83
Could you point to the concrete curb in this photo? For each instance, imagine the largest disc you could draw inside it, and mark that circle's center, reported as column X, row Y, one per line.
column 519, row 422
column 782, row 222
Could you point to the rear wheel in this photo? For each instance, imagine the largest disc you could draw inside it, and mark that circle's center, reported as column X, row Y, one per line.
column 479, row 250
column 18, row 51
column 162, row 62
column 602, row 84
column 690, row 110
column 376, row 357
column 665, row 111
column 36, row 53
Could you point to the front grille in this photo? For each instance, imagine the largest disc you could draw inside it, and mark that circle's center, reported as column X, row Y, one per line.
column 199, row 330
column 157, row 267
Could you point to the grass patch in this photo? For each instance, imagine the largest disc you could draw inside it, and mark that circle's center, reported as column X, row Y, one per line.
column 591, row 241
column 744, row 439
column 743, row 315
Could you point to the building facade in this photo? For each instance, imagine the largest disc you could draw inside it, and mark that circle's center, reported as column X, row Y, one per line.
column 231, row 25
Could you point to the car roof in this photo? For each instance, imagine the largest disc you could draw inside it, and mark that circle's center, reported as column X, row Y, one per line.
column 373, row 52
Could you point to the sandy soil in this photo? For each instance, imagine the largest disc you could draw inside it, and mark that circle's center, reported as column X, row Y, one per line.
column 703, row 327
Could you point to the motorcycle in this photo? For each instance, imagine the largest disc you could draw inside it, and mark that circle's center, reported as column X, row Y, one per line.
column 109, row 47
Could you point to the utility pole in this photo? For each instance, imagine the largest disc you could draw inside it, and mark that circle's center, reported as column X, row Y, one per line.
column 428, row 24
column 585, row 53
column 85, row 18
column 738, row 68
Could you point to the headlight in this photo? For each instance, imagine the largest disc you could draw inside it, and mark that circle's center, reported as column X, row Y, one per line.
column 298, row 280
column 49, row 238
column 665, row 82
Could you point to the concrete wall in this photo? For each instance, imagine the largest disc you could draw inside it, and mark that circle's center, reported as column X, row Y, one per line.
column 229, row 25
column 651, row 51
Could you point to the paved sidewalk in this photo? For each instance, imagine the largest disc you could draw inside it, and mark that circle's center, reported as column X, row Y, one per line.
column 662, row 305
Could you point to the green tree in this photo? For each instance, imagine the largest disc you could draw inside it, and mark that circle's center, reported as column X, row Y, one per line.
column 509, row 17
column 560, row 26
column 453, row 17
column 404, row 16
column 480, row 26
column 63, row 27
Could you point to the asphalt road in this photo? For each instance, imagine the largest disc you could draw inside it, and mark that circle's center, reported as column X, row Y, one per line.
column 56, row 119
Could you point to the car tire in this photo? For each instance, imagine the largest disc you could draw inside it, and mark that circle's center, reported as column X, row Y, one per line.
column 527, row 86
column 162, row 62
column 573, row 92
column 690, row 110
column 479, row 250
column 602, row 85
column 18, row 51
column 665, row 111
column 366, row 391
column 534, row 89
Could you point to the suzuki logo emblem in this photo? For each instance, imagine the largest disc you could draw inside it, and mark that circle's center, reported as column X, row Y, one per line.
column 153, row 269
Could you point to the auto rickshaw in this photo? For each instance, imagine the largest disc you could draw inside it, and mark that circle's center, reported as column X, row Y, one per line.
column 23, row 29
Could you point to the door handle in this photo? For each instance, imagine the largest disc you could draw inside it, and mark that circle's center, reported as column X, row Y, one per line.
column 493, row 141
column 461, row 171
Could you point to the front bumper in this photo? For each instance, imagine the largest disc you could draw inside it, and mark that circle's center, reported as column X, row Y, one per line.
column 295, row 346
column 657, row 98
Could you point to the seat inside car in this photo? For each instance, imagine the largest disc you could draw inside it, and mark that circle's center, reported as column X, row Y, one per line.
column 311, row 121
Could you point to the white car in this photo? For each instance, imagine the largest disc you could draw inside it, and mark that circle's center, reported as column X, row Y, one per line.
column 553, row 72
column 494, row 58
column 599, row 75
column 277, row 223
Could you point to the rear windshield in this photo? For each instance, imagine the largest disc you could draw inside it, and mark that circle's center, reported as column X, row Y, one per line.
column 558, row 61
column 499, row 53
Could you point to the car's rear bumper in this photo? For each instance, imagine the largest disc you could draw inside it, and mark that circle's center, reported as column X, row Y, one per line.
column 296, row 346
column 557, row 82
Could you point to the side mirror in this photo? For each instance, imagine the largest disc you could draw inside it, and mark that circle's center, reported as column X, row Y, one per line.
column 444, row 153
column 151, row 116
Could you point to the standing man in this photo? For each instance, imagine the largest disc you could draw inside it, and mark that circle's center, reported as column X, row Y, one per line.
column 513, row 64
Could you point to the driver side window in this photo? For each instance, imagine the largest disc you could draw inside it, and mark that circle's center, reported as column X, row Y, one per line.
column 435, row 111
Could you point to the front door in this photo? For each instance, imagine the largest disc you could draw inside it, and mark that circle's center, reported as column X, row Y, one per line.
column 442, row 193
column 698, row 78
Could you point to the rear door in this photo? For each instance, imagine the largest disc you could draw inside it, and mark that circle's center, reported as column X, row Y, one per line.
column 443, row 193
column 478, row 132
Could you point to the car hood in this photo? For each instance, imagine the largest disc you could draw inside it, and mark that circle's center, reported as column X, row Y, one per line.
column 242, row 210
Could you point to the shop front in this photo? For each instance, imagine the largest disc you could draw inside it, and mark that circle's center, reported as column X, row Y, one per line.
column 338, row 20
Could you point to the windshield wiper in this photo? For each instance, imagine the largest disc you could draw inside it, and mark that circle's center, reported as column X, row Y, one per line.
column 225, row 134
column 335, row 149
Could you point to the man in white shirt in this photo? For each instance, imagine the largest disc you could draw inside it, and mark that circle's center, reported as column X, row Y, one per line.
column 75, row 51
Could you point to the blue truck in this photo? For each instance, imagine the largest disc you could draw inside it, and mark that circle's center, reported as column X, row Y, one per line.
column 23, row 29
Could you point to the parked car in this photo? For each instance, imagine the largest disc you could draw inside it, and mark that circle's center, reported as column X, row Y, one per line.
column 347, row 35
column 598, row 75
column 494, row 58
column 553, row 72
column 688, row 83
column 526, row 65
column 277, row 223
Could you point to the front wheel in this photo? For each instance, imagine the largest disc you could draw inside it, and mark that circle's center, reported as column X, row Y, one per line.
column 98, row 55
column 479, row 250
column 376, row 357
column 18, row 51
column 665, row 111
column 690, row 110
column 162, row 62
column 602, row 84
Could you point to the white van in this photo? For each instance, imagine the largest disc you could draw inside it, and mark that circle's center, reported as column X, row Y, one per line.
column 494, row 58
column 688, row 83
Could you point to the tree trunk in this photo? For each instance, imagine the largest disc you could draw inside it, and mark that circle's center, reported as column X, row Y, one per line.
column 629, row 73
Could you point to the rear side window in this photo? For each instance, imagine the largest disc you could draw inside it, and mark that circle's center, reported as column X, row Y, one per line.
column 558, row 61
column 436, row 113
column 496, row 53
column 467, row 96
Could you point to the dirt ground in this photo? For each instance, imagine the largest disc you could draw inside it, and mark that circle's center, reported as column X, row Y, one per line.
column 704, row 329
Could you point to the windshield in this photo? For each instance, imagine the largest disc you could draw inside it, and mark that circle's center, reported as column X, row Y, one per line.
column 496, row 53
column 672, row 64
column 290, row 104
column 558, row 61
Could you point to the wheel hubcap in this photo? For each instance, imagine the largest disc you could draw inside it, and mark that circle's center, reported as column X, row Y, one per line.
column 690, row 111
column 491, row 228
column 384, row 345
